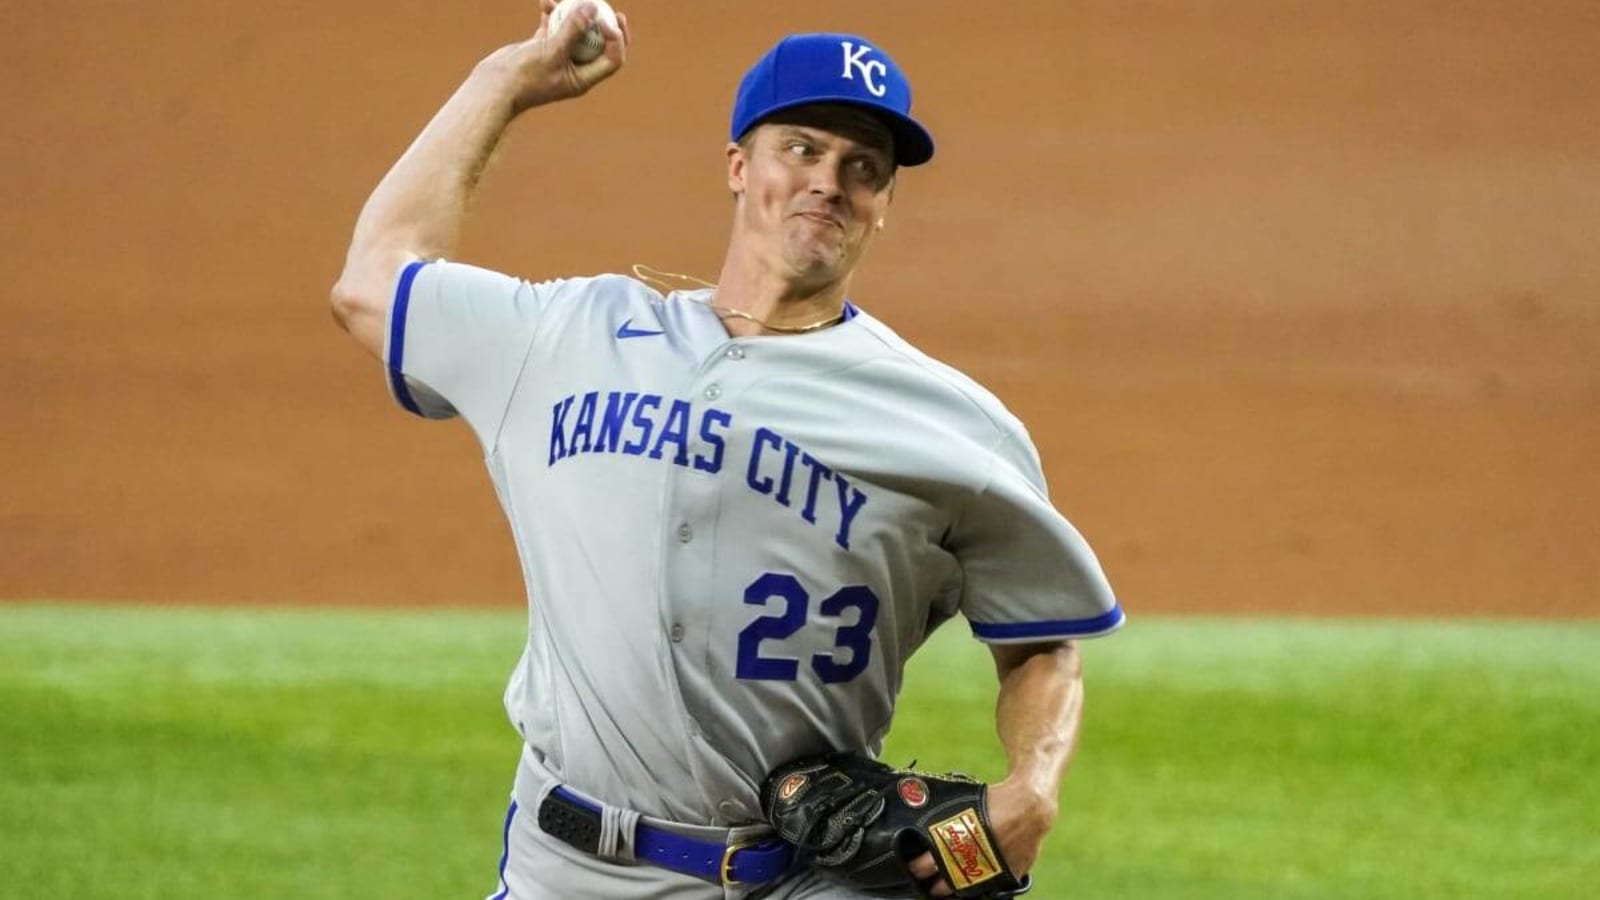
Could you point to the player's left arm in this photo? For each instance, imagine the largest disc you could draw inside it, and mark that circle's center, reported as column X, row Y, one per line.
column 1031, row 588
column 1037, row 716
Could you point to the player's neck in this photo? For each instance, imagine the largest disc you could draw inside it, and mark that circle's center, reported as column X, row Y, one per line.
column 774, row 298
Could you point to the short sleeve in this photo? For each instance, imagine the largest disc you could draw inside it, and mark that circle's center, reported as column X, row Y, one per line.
column 457, row 341
column 1027, row 574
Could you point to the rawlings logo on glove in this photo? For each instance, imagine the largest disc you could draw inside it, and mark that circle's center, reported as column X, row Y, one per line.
column 860, row 822
column 969, row 858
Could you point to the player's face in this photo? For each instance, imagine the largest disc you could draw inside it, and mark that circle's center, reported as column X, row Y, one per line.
column 814, row 186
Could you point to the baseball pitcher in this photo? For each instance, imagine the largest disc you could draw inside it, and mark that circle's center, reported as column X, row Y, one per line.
column 740, row 508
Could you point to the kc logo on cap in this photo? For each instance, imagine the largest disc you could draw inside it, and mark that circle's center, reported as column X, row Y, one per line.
column 806, row 69
column 868, row 68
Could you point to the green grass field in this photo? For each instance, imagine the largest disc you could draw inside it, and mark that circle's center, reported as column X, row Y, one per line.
column 176, row 753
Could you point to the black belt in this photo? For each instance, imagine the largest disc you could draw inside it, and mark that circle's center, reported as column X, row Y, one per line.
column 576, row 821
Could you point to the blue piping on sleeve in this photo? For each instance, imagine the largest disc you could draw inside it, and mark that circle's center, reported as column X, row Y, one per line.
column 1058, row 628
column 397, row 337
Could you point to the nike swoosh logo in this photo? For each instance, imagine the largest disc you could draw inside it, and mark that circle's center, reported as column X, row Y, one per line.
column 628, row 331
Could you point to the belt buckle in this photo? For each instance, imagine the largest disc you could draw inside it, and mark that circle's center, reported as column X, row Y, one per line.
column 725, row 871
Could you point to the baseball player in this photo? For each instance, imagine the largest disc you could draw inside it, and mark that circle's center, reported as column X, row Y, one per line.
column 739, row 509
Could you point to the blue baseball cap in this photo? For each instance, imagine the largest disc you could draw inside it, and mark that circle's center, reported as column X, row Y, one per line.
column 803, row 69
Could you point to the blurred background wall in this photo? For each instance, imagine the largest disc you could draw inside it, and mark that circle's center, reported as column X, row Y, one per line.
column 1297, row 298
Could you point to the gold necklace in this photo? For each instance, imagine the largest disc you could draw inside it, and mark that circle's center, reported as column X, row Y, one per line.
column 656, row 276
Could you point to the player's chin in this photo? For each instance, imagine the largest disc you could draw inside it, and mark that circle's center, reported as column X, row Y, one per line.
column 831, row 258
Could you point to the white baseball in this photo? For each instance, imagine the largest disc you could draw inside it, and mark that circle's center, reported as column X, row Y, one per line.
column 594, row 42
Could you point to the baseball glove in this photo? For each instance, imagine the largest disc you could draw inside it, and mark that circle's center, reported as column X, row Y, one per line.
column 860, row 822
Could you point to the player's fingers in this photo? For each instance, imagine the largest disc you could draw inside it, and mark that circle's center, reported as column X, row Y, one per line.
column 576, row 23
column 546, row 7
column 922, row 868
column 616, row 41
column 615, row 51
column 627, row 36
column 612, row 35
column 617, row 32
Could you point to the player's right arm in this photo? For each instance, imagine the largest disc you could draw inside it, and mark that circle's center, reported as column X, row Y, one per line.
column 417, row 210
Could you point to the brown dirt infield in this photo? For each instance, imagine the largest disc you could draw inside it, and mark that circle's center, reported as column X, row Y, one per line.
column 1298, row 299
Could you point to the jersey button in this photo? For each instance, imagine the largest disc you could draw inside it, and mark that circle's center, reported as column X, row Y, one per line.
column 713, row 392
column 677, row 633
column 735, row 353
column 685, row 533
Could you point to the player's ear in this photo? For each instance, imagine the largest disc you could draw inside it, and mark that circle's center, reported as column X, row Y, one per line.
column 736, row 166
column 888, row 201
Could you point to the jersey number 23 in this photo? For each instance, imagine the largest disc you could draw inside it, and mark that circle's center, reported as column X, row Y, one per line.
column 792, row 606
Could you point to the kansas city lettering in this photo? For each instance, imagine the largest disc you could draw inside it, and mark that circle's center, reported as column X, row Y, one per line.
column 632, row 423
column 775, row 463
column 636, row 424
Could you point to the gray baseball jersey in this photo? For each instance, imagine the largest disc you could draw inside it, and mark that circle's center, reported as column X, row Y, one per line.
column 731, row 546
